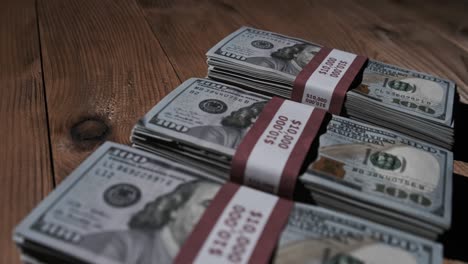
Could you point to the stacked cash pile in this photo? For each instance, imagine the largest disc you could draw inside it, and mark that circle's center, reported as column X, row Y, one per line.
column 382, row 175
column 414, row 103
column 124, row 206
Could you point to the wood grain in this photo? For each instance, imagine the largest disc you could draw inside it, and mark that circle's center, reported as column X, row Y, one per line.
column 441, row 51
column 103, row 69
column 187, row 29
column 460, row 167
column 25, row 168
column 449, row 261
column 447, row 18
column 381, row 33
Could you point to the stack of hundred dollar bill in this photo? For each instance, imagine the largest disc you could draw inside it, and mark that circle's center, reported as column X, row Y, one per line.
column 125, row 206
column 376, row 173
column 414, row 103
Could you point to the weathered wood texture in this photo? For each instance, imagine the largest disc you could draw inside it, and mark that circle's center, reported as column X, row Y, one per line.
column 460, row 167
column 25, row 169
column 103, row 69
column 447, row 18
column 433, row 45
column 389, row 32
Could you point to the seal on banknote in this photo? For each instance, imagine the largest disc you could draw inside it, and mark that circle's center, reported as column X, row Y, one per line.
column 122, row 195
column 213, row 106
column 262, row 44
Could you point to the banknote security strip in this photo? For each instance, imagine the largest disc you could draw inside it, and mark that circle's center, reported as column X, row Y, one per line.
column 271, row 154
column 325, row 80
column 241, row 225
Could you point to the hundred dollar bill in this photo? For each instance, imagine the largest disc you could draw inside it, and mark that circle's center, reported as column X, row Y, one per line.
column 423, row 95
column 121, row 205
column 204, row 114
column 202, row 122
column 386, row 168
column 388, row 95
column 317, row 235
column 126, row 206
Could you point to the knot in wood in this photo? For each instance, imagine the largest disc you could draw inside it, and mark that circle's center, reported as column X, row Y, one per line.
column 89, row 131
column 384, row 32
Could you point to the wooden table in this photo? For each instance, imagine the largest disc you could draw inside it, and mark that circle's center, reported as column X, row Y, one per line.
column 77, row 73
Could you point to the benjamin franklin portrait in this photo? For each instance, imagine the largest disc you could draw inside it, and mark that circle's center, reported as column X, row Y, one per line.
column 156, row 232
column 290, row 60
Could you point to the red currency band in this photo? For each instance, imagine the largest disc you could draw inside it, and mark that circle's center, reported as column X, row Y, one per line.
column 352, row 73
column 198, row 246
column 272, row 231
column 194, row 242
column 304, row 75
column 239, row 161
column 299, row 153
column 290, row 161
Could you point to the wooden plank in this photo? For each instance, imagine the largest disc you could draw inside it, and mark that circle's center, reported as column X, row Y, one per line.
column 460, row 167
column 447, row 18
column 429, row 44
column 187, row 29
column 103, row 69
column 448, row 261
column 346, row 26
column 25, row 168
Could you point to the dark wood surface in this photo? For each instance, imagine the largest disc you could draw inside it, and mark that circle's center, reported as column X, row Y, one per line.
column 77, row 73
column 26, row 175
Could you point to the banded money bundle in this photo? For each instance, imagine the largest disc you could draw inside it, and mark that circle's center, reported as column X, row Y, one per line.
column 373, row 172
column 127, row 206
column 410, row 102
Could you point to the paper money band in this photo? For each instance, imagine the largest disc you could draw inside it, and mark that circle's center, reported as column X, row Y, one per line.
column 325, row 80
column 241, row 225
column 272, row 152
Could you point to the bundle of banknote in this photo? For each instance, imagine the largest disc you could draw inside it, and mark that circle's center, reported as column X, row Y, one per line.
column 391, row 178
column 126, row 206
column 383, row 176
column 414, row 103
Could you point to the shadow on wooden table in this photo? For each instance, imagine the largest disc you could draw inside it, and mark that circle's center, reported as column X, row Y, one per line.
column 454, row 240
column 460, row 149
